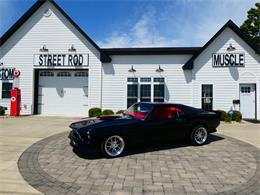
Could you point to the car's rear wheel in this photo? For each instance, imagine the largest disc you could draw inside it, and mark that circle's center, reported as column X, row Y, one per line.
column 199, row 135
column 113, row 146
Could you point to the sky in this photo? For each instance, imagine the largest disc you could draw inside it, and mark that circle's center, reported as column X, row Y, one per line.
column 141, row 23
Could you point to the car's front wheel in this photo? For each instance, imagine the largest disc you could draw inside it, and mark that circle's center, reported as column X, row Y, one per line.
column 113, row 146
column 199, row 135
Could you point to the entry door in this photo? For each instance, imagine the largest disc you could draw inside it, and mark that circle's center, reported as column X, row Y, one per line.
column 63, row 93
column 247, row 100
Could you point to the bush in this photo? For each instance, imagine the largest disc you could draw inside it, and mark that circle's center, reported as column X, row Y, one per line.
column 107, row 112
column 94, row 112
column 237, row 116
column 227, row 119
column 119, row 111
column 223, row 114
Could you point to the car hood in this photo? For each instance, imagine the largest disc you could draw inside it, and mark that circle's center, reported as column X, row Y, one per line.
column 102, row 121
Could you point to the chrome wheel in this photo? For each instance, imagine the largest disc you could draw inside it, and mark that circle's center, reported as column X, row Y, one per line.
column 114, row 146
column 200, row 135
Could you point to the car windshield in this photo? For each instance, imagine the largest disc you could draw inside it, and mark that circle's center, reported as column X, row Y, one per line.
column 139, row 110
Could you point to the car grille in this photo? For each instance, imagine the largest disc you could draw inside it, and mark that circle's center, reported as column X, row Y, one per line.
column 76, row 134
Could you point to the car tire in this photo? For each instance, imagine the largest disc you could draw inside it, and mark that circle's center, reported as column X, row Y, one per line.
column 113, row 146
column 199, row 135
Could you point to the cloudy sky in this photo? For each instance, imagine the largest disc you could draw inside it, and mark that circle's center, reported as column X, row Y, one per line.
column 141, row 23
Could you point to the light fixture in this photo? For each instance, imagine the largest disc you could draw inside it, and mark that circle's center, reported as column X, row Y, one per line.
column 72, row 48
column 1, row 64
column 231, row 48
column 159, row 69
column 132, row 69
column 44, row 49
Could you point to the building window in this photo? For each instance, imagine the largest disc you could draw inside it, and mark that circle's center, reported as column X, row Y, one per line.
column 81, row 74
column 132, row 94
column 207, row 97
column 132, row 80
column 145, row 79
column 158, row 90
column 63, row 74
column 6, row 90
column 158, row 93
column 159, row 80
column 245, row 89
column 46, row 74
column 145, row 95
column 145, row 89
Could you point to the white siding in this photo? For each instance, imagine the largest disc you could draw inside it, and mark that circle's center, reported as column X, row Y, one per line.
column 225, row 80
column 114, row 89
column 58, row 35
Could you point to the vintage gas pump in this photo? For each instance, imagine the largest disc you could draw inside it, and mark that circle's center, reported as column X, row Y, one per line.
column 15, row 106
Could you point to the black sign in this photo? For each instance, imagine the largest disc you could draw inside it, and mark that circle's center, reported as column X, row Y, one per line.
column 228, row 60
column 47, row 59
column 7, row 73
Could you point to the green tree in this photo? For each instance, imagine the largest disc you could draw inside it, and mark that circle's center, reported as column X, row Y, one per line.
column 251, row 26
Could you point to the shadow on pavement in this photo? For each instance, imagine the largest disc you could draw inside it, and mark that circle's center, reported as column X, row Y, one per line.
column 94, row 153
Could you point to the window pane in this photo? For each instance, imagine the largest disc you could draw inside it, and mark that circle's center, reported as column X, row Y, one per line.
column 207, row 97
column 145, row 93
column 131, row 101
column 159, row 91
column 161, row 80
column 132, row 80
column 158, row 100
column 146, row 79
column 132, row 90
column 6, row 90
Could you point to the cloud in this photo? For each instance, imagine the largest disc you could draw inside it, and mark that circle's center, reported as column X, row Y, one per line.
column 143, row 33
column 183, row 23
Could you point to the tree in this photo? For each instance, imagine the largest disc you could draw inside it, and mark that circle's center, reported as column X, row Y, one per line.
column 251, row 26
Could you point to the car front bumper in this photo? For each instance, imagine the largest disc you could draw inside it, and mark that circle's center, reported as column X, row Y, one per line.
column 76, row 141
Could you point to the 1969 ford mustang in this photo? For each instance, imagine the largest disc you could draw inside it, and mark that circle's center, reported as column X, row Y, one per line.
column 144, row 122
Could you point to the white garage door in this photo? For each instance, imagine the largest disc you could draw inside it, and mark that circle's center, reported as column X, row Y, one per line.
column 63, row 93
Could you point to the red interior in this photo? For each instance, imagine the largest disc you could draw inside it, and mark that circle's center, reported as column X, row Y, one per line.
column 138, row 115
column 166, row 112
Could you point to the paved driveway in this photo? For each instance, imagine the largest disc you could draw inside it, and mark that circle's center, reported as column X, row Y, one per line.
column 225, row 162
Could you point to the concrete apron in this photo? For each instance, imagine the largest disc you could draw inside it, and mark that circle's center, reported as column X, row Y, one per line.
column 16, row 135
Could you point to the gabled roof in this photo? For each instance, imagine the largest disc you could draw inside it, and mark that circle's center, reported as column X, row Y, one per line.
column 232, row 26
column 151, row 51
column 103, row 57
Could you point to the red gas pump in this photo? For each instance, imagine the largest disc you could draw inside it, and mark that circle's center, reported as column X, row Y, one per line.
column 15, row 106
column 15, row 102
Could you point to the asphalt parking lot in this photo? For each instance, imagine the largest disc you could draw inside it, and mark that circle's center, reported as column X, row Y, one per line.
column 49, row 166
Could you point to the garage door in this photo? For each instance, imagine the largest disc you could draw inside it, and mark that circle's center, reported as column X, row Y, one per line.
column 63, row 93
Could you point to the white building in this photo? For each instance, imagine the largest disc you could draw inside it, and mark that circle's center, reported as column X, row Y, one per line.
column 63, row 72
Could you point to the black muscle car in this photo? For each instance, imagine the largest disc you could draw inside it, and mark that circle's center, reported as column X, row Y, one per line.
column 144, row 122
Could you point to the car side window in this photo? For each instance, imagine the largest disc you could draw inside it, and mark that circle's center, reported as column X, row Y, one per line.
column 166, row 112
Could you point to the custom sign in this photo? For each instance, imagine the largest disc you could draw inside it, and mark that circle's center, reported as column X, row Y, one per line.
column 47, row 59
column 228, row 60
column 7, row 73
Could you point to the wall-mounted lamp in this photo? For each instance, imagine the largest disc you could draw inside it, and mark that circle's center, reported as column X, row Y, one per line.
column 72, row 48
column 44, row 49
column 159, row 69
column 231, row 48
column 132, row 69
